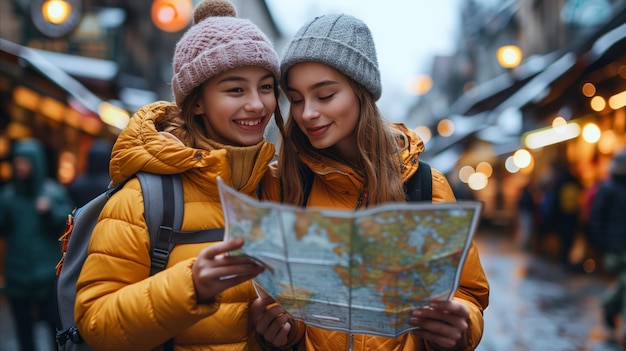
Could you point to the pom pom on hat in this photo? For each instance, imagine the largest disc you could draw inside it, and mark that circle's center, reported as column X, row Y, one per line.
column 213, row 8
column 218, row 41
column 340, row 41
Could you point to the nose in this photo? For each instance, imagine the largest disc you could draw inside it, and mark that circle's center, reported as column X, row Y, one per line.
column 310, row 111
column 254, row 103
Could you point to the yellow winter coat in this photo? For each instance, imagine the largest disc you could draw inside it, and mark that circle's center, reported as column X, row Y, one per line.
column 338, row 186
column 118, row 305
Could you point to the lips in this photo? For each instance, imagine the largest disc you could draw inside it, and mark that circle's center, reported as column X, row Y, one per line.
column 316, row 131
column 250, row 122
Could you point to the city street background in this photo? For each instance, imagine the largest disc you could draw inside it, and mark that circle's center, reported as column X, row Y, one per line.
column 534, row 303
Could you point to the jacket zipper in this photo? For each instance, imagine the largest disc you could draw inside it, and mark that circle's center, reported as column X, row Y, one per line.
column 360, row 201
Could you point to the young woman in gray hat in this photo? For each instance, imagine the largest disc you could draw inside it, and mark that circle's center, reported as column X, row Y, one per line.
column 225, row 88
column 357, row 159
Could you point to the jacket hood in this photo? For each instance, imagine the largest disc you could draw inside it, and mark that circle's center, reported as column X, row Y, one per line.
column 411, row 146
column 32, row 150
column 141, row 147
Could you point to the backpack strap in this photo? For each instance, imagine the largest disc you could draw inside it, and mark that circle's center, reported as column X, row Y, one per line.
column 308, row 178
column 420, row 186
column 164, row 206
column 417, row 188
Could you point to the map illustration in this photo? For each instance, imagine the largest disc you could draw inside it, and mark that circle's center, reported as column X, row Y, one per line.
column 360, row 272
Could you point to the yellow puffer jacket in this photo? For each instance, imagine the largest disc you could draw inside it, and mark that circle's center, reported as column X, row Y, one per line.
column 118, row 305
column 338, row 186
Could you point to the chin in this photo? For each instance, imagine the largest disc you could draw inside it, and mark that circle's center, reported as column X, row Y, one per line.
column 250, row 141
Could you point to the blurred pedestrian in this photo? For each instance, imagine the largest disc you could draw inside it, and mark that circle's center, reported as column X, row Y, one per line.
column 33, row 211
column 526, row 216
column 96, row 178
column 561, row 210
column 607, row 224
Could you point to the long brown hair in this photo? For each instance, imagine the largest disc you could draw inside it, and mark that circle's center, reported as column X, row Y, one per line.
column 375, row 139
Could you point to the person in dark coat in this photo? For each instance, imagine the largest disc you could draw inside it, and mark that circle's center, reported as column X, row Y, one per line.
column 96, row 178
column 33, row 211
column 607, row 224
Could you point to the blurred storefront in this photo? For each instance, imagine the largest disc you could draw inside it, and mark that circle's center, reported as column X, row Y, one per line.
column 579, row 86
column 72, row 71
column 40, row 100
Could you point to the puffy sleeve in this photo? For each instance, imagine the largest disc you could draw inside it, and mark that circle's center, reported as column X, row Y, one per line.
column 473, row 289
column 117, row 300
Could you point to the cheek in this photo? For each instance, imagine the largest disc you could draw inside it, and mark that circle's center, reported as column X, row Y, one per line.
column 349, row 109
column 269, row 101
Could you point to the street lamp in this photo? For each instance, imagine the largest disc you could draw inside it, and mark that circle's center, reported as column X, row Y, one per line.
column 56, row 18
column 171, row 15
column 56, row 11
column 509, row 56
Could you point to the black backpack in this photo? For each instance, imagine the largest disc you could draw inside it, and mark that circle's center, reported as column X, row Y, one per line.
column 417, row 188
column 163, row 211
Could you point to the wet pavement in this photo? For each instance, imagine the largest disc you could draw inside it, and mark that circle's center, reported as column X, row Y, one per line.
column 534, row 304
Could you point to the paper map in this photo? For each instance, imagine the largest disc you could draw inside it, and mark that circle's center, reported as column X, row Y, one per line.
column 360, row 272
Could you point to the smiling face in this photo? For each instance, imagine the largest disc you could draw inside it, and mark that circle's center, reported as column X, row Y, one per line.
column 237, row 105
column 324, row 106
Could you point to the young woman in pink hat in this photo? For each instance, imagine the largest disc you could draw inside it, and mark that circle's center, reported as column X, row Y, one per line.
column 225, row 88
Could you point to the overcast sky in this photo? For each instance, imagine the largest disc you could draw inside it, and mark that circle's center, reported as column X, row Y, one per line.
column 407, row 33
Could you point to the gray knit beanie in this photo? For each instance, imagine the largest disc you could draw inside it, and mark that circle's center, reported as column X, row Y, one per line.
column 218, row 41
column 340, row 41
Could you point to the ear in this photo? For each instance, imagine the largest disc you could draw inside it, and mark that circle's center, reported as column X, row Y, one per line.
column 198, row 110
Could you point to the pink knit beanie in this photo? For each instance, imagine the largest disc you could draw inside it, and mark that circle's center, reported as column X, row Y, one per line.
column 218, row 41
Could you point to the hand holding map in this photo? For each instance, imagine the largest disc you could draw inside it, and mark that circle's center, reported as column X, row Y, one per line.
column 361, row 272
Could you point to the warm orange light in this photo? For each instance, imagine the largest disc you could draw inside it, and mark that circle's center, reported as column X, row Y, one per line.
column 589, row 89
column 598, row 103
column 52, row 108
column 171, row 15
column 522, row 158
column 113, row 115
column 509, row 56
column 420, row 85
column 424, row 133
column 485, row 168
column 56, row 11
column 24, row 97
column 445, row 127
column 618, row 100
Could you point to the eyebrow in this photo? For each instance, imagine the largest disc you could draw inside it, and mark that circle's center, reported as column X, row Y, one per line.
column 241, row 79
column 317, row 85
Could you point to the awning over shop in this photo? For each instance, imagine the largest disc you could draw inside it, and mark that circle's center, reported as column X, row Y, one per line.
column 38, row 85
column 464, row 128
column 99, row 75
column 488, row 95
column 495, row 109
column 27, row 58
column 539, row 86
column 589, row 54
